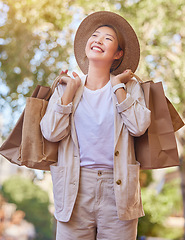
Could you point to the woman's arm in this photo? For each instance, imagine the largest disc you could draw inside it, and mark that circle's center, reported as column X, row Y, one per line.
column 55, row 124
column 136, row 116
column 72, row 84
column 131, row 104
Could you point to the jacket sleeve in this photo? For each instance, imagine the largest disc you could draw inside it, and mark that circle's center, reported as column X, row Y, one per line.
column 55, row 124
column 136, row 116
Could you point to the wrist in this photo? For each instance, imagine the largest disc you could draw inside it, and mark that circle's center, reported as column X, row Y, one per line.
column 118, row 86
column 114, row 83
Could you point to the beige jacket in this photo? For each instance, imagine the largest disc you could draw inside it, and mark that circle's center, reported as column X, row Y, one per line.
column 131, row 118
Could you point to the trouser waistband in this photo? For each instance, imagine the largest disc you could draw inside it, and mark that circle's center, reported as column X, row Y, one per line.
column 94, row 173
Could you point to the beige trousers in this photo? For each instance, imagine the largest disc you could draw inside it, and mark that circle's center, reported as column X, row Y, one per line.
column 95, row 215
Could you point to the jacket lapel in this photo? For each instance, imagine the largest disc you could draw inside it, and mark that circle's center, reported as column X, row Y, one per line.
column 76, row 101
column 118, row 121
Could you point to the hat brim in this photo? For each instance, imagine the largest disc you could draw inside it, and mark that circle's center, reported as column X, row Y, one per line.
column 91, row 23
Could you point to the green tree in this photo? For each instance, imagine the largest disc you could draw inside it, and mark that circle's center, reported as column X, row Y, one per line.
column 33, row 48
column 158, row 206
column 37, row 40
column 31, row 199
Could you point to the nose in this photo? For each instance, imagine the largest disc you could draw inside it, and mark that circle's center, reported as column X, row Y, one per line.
column 98, row 41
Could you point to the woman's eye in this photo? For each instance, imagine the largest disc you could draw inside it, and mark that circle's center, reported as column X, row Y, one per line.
column 109, row 39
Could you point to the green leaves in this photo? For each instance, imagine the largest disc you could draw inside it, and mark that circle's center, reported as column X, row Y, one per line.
column 158, row 206
column 31, row 199
column 37, row 39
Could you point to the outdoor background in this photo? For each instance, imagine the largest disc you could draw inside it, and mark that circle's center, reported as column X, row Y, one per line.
column 36, row 44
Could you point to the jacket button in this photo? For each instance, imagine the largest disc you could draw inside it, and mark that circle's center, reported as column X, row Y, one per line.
column 116, row 153
column 99, row 173
column 118, row 182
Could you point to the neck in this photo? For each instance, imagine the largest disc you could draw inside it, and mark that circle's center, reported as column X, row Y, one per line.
column 98, row 77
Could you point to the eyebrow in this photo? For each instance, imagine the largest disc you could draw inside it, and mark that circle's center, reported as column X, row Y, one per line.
column 106, row 34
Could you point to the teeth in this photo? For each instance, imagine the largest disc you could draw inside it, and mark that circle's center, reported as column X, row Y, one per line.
column 97, row 49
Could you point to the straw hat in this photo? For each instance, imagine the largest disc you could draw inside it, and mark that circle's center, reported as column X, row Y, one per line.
column 131, row 49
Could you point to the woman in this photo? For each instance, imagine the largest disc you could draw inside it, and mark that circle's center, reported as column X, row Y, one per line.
column 96, row 181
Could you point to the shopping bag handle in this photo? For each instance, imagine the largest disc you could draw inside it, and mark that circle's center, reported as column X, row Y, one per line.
column 137, row 78
column 53, row 86
column 56, row 81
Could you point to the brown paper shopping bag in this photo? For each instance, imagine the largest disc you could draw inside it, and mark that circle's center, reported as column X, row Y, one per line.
column 157, row 148
column 25, row 145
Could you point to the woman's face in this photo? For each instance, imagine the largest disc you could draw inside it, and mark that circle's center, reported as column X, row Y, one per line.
column 103, row 46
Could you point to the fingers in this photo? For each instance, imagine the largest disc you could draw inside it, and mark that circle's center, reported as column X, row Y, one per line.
column 77, row 78
column 128, row 71
column 125, row 76
column 64, row 72
column 67, row 79
column 75, row 74
column 64, row 79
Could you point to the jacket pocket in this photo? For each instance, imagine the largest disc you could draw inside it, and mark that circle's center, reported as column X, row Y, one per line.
column 133, row 189
column 58, row 179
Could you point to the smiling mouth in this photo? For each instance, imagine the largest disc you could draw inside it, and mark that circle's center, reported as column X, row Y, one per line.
column 97, row 49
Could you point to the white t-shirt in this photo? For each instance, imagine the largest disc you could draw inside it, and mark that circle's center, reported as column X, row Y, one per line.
column 94, row 122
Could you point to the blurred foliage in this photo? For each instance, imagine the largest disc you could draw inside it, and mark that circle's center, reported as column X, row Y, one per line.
column 159, row 206
column 31, row 199
column 162, row 37
column 36, row 42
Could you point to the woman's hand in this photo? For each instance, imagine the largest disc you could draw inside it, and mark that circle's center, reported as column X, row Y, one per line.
column 64, row 72
column 72, row 82
column 122, row 78
column 72, row 85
